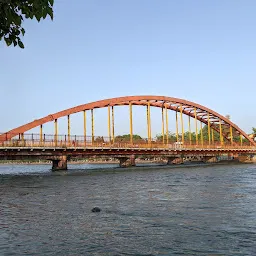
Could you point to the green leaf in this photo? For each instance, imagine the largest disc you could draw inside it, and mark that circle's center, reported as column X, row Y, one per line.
column 21, row 45
column 16, row 19
column 12, row 14
column 50, row 12
column 38, row 16
column 23, row 31
column 8, row 41
column 44, row 13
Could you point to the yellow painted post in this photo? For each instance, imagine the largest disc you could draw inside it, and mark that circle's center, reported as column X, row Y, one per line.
column 41, row 134
column 166, row 124
column 212, row 136
column 189, row 128
column 231, row 135
column 201, row 132
column 182, row 125
column 92, row 120
column 131, row 124
column 32, row 137
column 177, row 126
column 221, row 138
column 84, row 127
column 148, row 122
column 241, row 140
column 56, row 131
column 149, row 119
column 113, row 125
column 209, row 129
column 195, row 113
column 109, row 124
column 163, row 123
column 69, row 130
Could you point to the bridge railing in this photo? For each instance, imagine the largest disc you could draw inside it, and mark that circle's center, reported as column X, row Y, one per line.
column 34, row 142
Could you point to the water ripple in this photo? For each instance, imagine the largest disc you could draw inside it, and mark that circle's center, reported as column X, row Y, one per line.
column 207, row 210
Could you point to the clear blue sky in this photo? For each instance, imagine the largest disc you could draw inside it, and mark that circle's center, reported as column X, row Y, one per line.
column 203, row 51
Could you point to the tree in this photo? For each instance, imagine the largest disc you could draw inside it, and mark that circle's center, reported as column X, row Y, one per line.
column 253, row 135
column 171, row 137
column 12, row 14
column 126, row 138
column 99, row 139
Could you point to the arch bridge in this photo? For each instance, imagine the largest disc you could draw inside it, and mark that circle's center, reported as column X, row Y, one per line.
column 209, row 133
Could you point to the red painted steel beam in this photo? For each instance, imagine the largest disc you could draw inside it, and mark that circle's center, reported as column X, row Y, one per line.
column 137, row 100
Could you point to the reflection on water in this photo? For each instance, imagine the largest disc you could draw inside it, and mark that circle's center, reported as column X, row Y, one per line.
column 152, row 211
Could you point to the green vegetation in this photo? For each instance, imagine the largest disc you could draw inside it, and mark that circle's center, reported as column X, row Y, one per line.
column 121, row 138
column 172, row 136
column 126, row 138
column 213, row 133
column 99, row 139
column 12, row 14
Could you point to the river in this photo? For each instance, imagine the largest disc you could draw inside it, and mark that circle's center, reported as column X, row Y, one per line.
column 193, row 210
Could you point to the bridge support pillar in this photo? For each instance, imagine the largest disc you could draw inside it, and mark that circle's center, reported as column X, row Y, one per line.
column 132, row 160
column 122, row 161
column 209, row 159
column 174, row 160
column 247, row 158
column 126, row 161
column 59, row 163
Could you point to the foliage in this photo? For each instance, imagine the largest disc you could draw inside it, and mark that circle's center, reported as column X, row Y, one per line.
column 172, row 136
column 204, row 133
column 253, row 130
column 99, row 139
column 126, row 138
column 12, row 14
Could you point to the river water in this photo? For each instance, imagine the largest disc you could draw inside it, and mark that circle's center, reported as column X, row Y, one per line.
column 197, row 210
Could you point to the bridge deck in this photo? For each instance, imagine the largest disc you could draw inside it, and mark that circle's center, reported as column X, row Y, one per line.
column 50, row 149
column 118, row 151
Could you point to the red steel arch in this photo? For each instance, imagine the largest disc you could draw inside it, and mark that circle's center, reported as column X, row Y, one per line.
column 171, row 103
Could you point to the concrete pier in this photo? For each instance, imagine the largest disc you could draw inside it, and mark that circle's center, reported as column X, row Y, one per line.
column 247, row 158
column 174, row 160
column 59, row 163
column 127, row 161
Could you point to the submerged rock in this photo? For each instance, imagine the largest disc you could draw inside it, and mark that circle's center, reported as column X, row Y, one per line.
column 96, row 209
